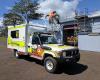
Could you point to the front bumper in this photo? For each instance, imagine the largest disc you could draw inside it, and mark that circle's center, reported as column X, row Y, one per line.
column 71, row 59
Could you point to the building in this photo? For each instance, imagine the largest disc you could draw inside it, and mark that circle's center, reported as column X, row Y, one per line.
column 87, row 31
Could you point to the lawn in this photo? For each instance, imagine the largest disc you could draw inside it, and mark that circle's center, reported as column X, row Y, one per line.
column 2, row 42
column 2, row 39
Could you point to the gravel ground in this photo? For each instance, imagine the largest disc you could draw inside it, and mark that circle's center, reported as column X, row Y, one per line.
column 88, row 68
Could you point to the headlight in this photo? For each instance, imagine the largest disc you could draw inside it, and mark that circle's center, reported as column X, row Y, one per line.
column 59, row 53
column 64, row 54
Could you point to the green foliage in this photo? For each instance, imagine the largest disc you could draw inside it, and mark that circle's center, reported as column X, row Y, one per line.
column 4, row 32
column 22, row 11
column 27, row 9
column 12, row 19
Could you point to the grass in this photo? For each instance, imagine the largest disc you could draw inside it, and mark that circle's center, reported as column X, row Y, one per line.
column 2, row 39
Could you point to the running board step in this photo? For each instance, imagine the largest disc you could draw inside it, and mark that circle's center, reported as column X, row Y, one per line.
column 37, row 57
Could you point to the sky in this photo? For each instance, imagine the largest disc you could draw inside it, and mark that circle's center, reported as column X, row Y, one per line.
column 62, row 6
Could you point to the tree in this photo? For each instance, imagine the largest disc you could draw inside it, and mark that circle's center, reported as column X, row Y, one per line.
column 12, row 19
column 22, row 11
column 27, row 9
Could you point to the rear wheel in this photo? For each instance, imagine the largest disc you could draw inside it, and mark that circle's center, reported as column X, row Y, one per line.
column 16, row 54
column 50, row 64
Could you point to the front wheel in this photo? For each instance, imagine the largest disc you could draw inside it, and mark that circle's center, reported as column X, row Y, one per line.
column 50, row 64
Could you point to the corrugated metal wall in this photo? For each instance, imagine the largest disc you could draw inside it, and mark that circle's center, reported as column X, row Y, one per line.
column 89, row 43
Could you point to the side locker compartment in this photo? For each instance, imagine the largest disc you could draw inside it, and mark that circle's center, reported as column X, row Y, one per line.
column 21, row 40
column 16, row 38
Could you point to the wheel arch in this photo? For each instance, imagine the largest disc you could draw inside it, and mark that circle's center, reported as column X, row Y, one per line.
column 47, row 55
column 14, row 50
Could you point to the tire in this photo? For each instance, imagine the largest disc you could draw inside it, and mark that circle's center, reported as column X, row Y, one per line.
column 50, row 64
column 16, row 54
column 78, row 58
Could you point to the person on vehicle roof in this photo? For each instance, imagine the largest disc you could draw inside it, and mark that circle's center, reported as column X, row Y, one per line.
column 53, row 16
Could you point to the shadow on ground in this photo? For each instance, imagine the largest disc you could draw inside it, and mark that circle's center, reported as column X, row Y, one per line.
column 65, row 68
column 72, row 69
column 27, row 58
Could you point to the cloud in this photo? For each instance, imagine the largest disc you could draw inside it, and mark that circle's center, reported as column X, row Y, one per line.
column 96, row 13
column 65, row 9
column 8, row 8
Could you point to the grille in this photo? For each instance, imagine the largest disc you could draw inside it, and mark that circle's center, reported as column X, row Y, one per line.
column 70, row 53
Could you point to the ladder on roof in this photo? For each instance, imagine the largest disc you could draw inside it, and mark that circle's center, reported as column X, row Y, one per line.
column 57, row 29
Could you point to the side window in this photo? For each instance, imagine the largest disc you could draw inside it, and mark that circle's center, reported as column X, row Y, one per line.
column 35, row 40
column 15, row 34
